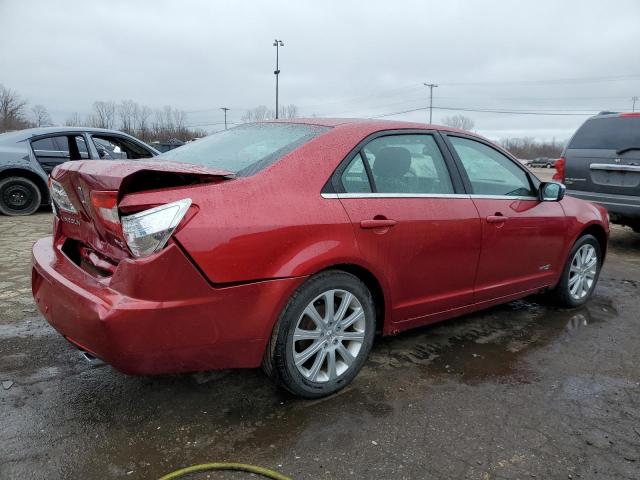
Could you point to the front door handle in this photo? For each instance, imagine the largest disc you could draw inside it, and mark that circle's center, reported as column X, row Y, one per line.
column 377, row 223
column 497, row 219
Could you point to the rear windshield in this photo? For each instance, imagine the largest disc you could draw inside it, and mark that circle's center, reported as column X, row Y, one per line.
column 610, row 133
column 246, row 149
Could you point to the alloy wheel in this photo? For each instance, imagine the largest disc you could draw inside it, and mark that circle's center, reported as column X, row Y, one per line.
column 329, row 335
column 583, row 270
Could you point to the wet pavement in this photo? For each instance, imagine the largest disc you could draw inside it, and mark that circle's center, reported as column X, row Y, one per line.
column 523, row 390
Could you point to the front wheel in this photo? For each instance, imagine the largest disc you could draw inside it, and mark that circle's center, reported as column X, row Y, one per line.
column 580, row 273
column 323, row 336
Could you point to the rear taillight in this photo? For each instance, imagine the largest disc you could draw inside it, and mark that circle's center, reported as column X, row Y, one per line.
column 559, row 175
column 105, row 205
column 59, row 197
column 148, row 231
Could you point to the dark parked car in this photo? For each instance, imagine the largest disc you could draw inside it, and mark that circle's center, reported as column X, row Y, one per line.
column 601, row 163
column 28, row 156
column 542, row 162
column 291, row 244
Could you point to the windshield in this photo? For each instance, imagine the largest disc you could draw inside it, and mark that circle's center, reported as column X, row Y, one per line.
column 246, row 149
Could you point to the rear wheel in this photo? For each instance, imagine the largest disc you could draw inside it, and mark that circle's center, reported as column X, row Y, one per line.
column 19, row 196
column 580, row 273
column 323, row 336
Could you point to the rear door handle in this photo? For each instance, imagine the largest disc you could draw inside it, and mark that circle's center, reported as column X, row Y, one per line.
column 497, row 219
column 386, row 223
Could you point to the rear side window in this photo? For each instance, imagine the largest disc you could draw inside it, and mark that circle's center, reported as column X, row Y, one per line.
column 44, row 145
column 608, row 133
column 246, row 149
column 408, row 164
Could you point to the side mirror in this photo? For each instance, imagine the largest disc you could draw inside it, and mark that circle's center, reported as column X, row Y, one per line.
column 551, row 192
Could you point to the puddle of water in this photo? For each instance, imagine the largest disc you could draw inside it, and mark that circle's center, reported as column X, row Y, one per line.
column 489, row 345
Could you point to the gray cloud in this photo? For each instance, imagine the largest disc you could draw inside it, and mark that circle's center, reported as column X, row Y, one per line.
column 362, row 58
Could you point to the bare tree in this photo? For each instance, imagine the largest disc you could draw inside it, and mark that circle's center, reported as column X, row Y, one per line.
column 103, row 114
column 74, row 120
column 41, row 117
column 12, row 110
column 126, row 112
column 290, row 111
column 142, row 115
column 257, row 114
column 262, row 113
column 458, row 121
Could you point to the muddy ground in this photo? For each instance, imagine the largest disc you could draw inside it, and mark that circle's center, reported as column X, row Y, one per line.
column 520, row 391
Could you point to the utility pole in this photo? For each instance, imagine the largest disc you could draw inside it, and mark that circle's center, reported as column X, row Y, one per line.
column 634, row 99
column 225, row 110
column 431, row 87
column 277, row 43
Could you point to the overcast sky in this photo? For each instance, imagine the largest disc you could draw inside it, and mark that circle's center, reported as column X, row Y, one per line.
column 356, row 58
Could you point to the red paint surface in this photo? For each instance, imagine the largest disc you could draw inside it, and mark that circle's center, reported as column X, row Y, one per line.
column 211, row 298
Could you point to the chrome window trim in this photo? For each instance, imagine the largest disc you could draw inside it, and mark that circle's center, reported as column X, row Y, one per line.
column 609, row 166
column 504, row 197
column 423, row 195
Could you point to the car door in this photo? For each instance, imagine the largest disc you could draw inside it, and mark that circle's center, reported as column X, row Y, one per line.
column 522, row 237
column 413, row 222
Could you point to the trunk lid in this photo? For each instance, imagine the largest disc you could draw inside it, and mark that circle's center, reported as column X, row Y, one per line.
column 87, row 236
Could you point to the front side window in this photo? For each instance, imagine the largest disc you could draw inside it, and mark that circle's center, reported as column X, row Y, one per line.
column 246, row 149
column 117, row 148
column 407, row 164
column 489, row 171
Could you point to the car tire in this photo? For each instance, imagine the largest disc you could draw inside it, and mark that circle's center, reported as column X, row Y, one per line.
column 579, row 278
column 547, row 166
column 314, row 353
column 19, row 196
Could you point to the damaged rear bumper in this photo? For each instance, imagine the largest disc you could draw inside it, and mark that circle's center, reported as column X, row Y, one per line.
column 157, row 315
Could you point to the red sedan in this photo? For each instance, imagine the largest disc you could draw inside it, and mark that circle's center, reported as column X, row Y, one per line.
column 291, row 244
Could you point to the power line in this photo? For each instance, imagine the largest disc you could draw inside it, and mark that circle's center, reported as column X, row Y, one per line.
column 548, row 81
column 482, row 110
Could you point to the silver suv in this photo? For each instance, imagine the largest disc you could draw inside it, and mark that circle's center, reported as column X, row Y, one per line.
column 601, row 163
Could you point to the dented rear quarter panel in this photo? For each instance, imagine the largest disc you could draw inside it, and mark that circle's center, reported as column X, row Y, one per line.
column 275, row 223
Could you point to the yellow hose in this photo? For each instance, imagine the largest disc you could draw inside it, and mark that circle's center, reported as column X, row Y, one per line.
column 238, row 467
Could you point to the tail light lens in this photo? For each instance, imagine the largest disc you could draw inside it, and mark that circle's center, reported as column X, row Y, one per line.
column 559, row 175
column 148, row 231
column 59, row 197
column 105, row 205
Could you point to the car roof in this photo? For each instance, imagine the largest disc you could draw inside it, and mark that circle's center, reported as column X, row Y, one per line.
column 18, row 135
column 373, row 124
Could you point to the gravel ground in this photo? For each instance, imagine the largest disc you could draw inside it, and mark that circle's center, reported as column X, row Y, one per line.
column 519, row 391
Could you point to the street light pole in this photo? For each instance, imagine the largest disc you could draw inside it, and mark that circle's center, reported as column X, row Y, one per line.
column 277, row 43
column 225, row 110
column 431, row 87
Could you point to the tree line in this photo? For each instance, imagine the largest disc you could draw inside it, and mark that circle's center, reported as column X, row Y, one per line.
column 529, row 148
column 128, row 116
column 165, row 123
